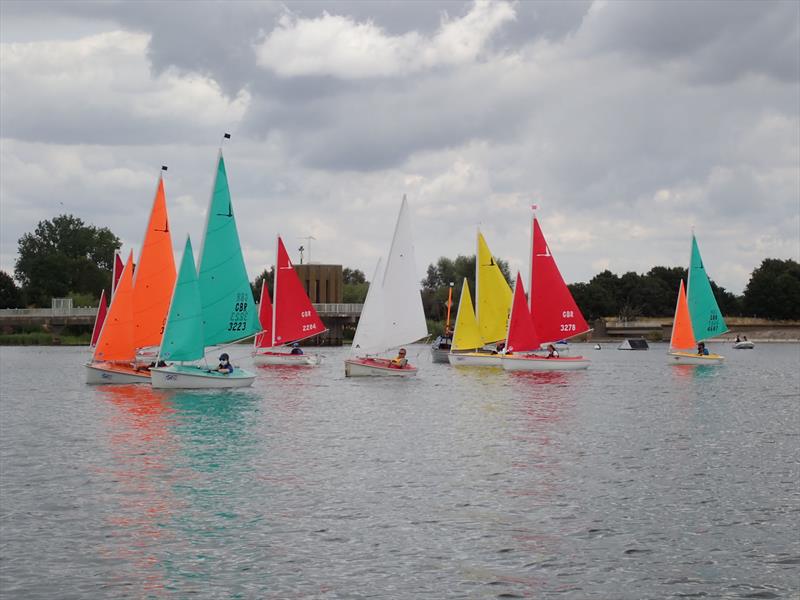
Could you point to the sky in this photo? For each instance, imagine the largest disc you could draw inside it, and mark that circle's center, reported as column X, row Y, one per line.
column 627, row 123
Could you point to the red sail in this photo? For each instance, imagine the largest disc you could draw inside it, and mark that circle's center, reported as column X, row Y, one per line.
column 102, row 308
column 116, row 271
column 553, row 310
column 521, row 331
column 264, row 339
column 295, row 317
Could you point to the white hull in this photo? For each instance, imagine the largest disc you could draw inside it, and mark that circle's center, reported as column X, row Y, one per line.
column 110, row 374
column 184, row 377
column 744, row 346
column 286, row 359
column 146, row 356
column 379, row 367
column 532, row 362
column 686, row 358
column 475, row 359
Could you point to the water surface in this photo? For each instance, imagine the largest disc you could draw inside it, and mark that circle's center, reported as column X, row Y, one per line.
column 634, row 479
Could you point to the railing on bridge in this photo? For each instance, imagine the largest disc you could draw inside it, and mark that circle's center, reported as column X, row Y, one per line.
column 324, row 310
column 81, row 311
column 338, row 309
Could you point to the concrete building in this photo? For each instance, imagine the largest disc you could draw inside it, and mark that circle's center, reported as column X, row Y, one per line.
column 323, row 283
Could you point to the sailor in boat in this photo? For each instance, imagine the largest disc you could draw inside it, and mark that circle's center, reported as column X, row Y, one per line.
column 499, row 347
column 738, row 340
column 399, row 361
column 701, row 349
column 225, row 365
column 551, row 351
column 296, row 349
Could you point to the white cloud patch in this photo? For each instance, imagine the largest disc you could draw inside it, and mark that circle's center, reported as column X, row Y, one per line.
column 100, row 89
column 338, row 46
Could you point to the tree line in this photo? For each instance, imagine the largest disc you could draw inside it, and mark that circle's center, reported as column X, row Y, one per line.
column 773, row 291
column 65, row 257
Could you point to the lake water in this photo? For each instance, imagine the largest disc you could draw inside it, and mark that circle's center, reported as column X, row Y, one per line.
column 634, row 479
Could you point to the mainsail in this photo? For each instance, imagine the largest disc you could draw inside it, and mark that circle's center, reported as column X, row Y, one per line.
column 555, row 314
column 229, row 312
column 707, row 320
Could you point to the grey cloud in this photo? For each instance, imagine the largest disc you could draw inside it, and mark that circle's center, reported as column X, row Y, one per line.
column 719, row 41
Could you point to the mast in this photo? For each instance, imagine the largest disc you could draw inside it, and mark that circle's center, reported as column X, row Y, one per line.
column 275, row 290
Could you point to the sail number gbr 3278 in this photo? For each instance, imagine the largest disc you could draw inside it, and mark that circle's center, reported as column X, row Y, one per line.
column 568, row 327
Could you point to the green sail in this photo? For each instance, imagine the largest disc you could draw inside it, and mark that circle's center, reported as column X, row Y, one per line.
column 707, row 321
column 183, row 334
column 229, row 312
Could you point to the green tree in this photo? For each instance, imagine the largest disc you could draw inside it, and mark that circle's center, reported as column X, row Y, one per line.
column 62, row 256
column 10, row 295
column 269, row 276
column 355, row 286
column 773, row 291
column 439, row 275
column 353, row 276
column 354, row 293
column 598, row 298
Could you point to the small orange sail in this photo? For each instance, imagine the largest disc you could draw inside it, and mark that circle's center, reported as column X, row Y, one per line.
column 155, row 276
column 116, row 337
column 682, row 334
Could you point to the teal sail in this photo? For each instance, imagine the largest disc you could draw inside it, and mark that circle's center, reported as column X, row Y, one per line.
column 707, row 321
column 229, row 311
column 183, row 334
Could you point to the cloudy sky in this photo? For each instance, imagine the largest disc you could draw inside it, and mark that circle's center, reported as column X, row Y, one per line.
column 627, row 122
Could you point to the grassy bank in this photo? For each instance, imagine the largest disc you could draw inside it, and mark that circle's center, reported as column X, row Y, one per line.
column 40, row 338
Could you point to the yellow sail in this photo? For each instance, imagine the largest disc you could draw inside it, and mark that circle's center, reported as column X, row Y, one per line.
column 493, row 295
column 467, row 336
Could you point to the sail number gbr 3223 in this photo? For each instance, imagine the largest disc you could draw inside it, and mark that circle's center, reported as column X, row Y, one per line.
column 238, row 319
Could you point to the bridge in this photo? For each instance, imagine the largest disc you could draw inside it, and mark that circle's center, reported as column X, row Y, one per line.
column 336, row 316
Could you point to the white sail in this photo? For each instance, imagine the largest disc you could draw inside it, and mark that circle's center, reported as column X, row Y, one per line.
column 369, row 332
column 404, row 317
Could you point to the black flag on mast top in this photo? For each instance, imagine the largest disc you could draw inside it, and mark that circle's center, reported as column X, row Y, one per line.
column 227, row 136
column 163, row 167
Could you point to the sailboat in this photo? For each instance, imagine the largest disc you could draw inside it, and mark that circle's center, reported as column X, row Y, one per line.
column 392, row 315
column 112, row 360
column 697, row 316
column 221, row 289
column 523, row 341
column 144, row 305
column 289, row 319
column 488, row 323
column 443, row 343
column 553, row 313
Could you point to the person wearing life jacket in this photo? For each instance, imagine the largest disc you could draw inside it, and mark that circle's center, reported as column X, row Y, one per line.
column 224, row 364
column 551, row 351
column 399, row 361
column 296, row 349
column 701, row 349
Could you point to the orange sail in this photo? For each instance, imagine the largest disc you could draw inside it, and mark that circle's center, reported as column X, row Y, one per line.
column 682, row 334
column 155, row 276
column 116, row 337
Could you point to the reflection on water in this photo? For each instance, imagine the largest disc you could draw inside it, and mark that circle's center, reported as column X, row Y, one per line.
column 633, row 479
column 170, row 452
column 141, row 464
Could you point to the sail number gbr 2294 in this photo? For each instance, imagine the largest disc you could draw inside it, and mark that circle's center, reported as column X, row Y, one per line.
column 238, row 319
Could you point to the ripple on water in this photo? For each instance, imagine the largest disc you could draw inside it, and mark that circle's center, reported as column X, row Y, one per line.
column 633, row 479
